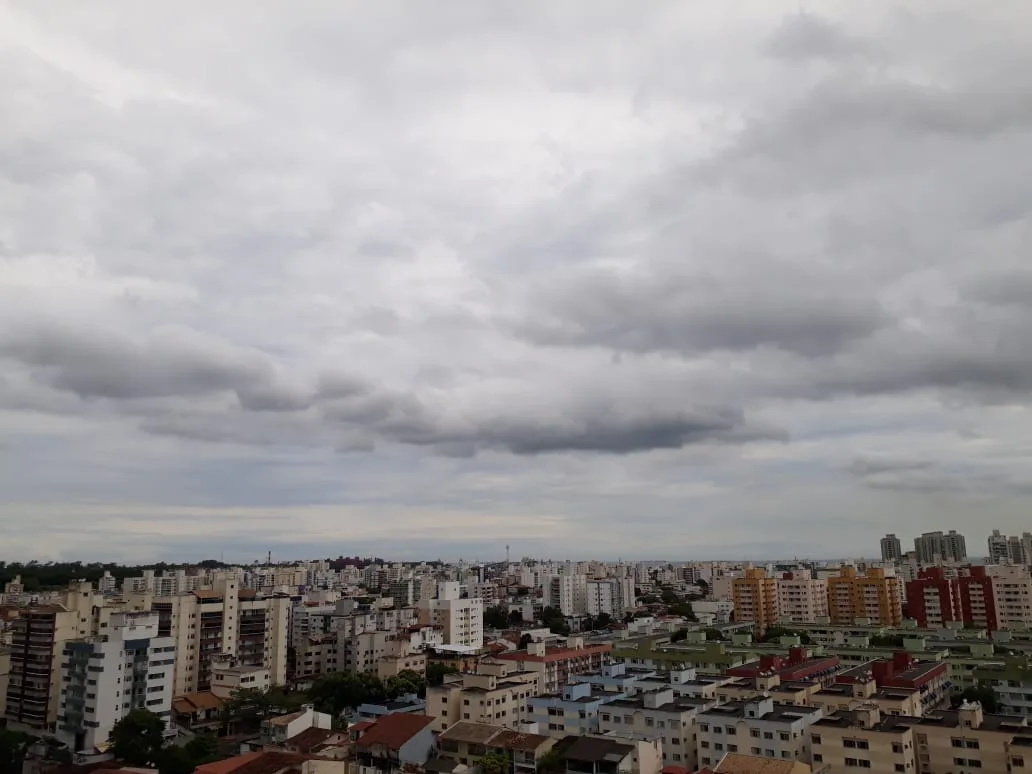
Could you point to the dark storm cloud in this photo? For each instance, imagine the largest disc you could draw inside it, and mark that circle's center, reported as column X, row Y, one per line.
column 666, row 312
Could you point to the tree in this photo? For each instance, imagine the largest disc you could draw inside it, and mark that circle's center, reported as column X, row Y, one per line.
column 435, row 672
column 203, row 748
column 983, row 694
column 496, row 617
column 406, row 681
column 714, row 634
column 775, row 633
column 679, row 636
column 14, row 745
column 703, row 585
column 554, row 619
column 137, row 738
column 175, row 760
column 515, row 617
column 494, row 763
column 551, row 763
column 525, row 640
column 886, row 641
column 602, row 620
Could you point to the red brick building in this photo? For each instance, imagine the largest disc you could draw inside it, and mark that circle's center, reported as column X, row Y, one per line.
column 934, row 600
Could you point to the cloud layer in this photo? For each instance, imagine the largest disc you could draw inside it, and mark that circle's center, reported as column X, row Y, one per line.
column 630, row 282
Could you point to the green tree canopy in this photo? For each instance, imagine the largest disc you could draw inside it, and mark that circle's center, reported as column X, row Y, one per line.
column 137, row 738
column 983, row 694
column 13, row 747
column 494, row 763
column 496, row 617
column 435, row 672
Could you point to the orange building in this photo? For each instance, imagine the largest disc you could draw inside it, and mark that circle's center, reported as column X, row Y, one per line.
column 874, row 596
column 755, row 598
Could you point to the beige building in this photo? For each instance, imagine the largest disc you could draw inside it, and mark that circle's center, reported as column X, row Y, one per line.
column 853, row 696
column 461, row 620
column 758, row 727
column 946, row 742
column 495, row 694
column 755, row 597
column 5, row 675
column 465, row 743
column 736, row 763
column 1012, row 589
column 556, row 665
column 657, row 716
column 802, row 599
column 875, row 596
column 38, row 637
column 221, row 621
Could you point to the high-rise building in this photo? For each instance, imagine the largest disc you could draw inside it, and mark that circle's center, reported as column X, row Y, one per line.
column 1012, row 593
column 224, row 621
column 106, row 677
column 936, row 547
column 997, row 545
column 802, row 599
column 461, row 619
column 38, row 637
column 568, row 594
column 874, row 596
column 891, row 549
column 755, row 598
column 1013, row 549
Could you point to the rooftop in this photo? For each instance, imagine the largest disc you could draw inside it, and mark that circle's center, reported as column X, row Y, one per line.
column 736, row 763
column 782, row 713
column 393, row 731
column 586, row 749
column 471, row 733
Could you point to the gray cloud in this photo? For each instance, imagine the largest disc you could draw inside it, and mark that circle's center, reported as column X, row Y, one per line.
column 495, row 261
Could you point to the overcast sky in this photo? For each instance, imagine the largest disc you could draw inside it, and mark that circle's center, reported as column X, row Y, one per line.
column 640, row 279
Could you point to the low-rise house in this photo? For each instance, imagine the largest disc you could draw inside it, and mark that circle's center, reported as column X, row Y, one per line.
column 408, row 702
column 394, row 741
column 320, row 742
column 200, row 711
column 609, row 755
column 465, row 743
column 279, row 729
column 273, row 762
column 755, row 727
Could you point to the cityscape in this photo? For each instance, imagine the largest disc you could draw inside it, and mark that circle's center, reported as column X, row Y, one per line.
column 514, row 387
column 908, row 662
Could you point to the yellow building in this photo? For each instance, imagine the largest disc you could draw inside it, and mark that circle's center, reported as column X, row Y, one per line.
column 755, row 598
column 873, row 596
column 945, row 742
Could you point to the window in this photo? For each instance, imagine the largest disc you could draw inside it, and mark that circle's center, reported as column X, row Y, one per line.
column 971, row 744
column 605, row 717
column 974, row 763
column 756, row 751
column 754, row 733
column 768, row 734
column 675, row 740
column 783, row 736
column 649, row 722
column 703, row 727
column 1018, row 761
column 732, row 748
column 817, row 758
column 815, row 738
column 897, row 748
column 957, row 742
column 959, row 761
column 704, row 744
column 718, row 746
column 900, row 767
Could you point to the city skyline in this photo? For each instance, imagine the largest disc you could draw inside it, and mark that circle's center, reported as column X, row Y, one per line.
column 683, row 279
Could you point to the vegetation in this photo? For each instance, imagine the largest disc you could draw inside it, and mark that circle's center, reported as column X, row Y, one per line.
column 555, row 621
column 341, row 692
column 715, row 634
column 137, row 739
column 435, row 673
column 983, row 694
column 703, row 585
column 774, row 633
column 494, row 763
column 886, row 641
column 496, row 617
column 551, row 763
column 679, row 636
column 525, row 640
column 13, row 747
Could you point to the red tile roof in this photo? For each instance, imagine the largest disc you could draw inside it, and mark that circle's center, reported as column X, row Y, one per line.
column 556, row 654
column 393, row 731
column 269, row 762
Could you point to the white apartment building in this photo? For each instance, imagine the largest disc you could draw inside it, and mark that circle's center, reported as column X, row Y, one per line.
column 1012, row 587
column 755, row 727
column 103, row 678
column 802, row 599
column 568, row 594
column 461, row 620
column 601, row 595
column 658, row 715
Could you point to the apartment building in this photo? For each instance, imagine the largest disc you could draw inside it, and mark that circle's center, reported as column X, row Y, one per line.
column 1012, row 596
column 104, row 678
column 658, row 715
column 947, row 742
column 555, row 665
column 755, row 597
column 1012, row 549
column 567, row 594
column 497, row 693
column 461, row 620
column 891, row 549
column 38, row 636
column 759, row 726
column 874, row 596
column 929, row 678
column 936, row 547
column 935, row 600
column 802, row 599
column 846, row 741
column 226, row 620
column 573, row 710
